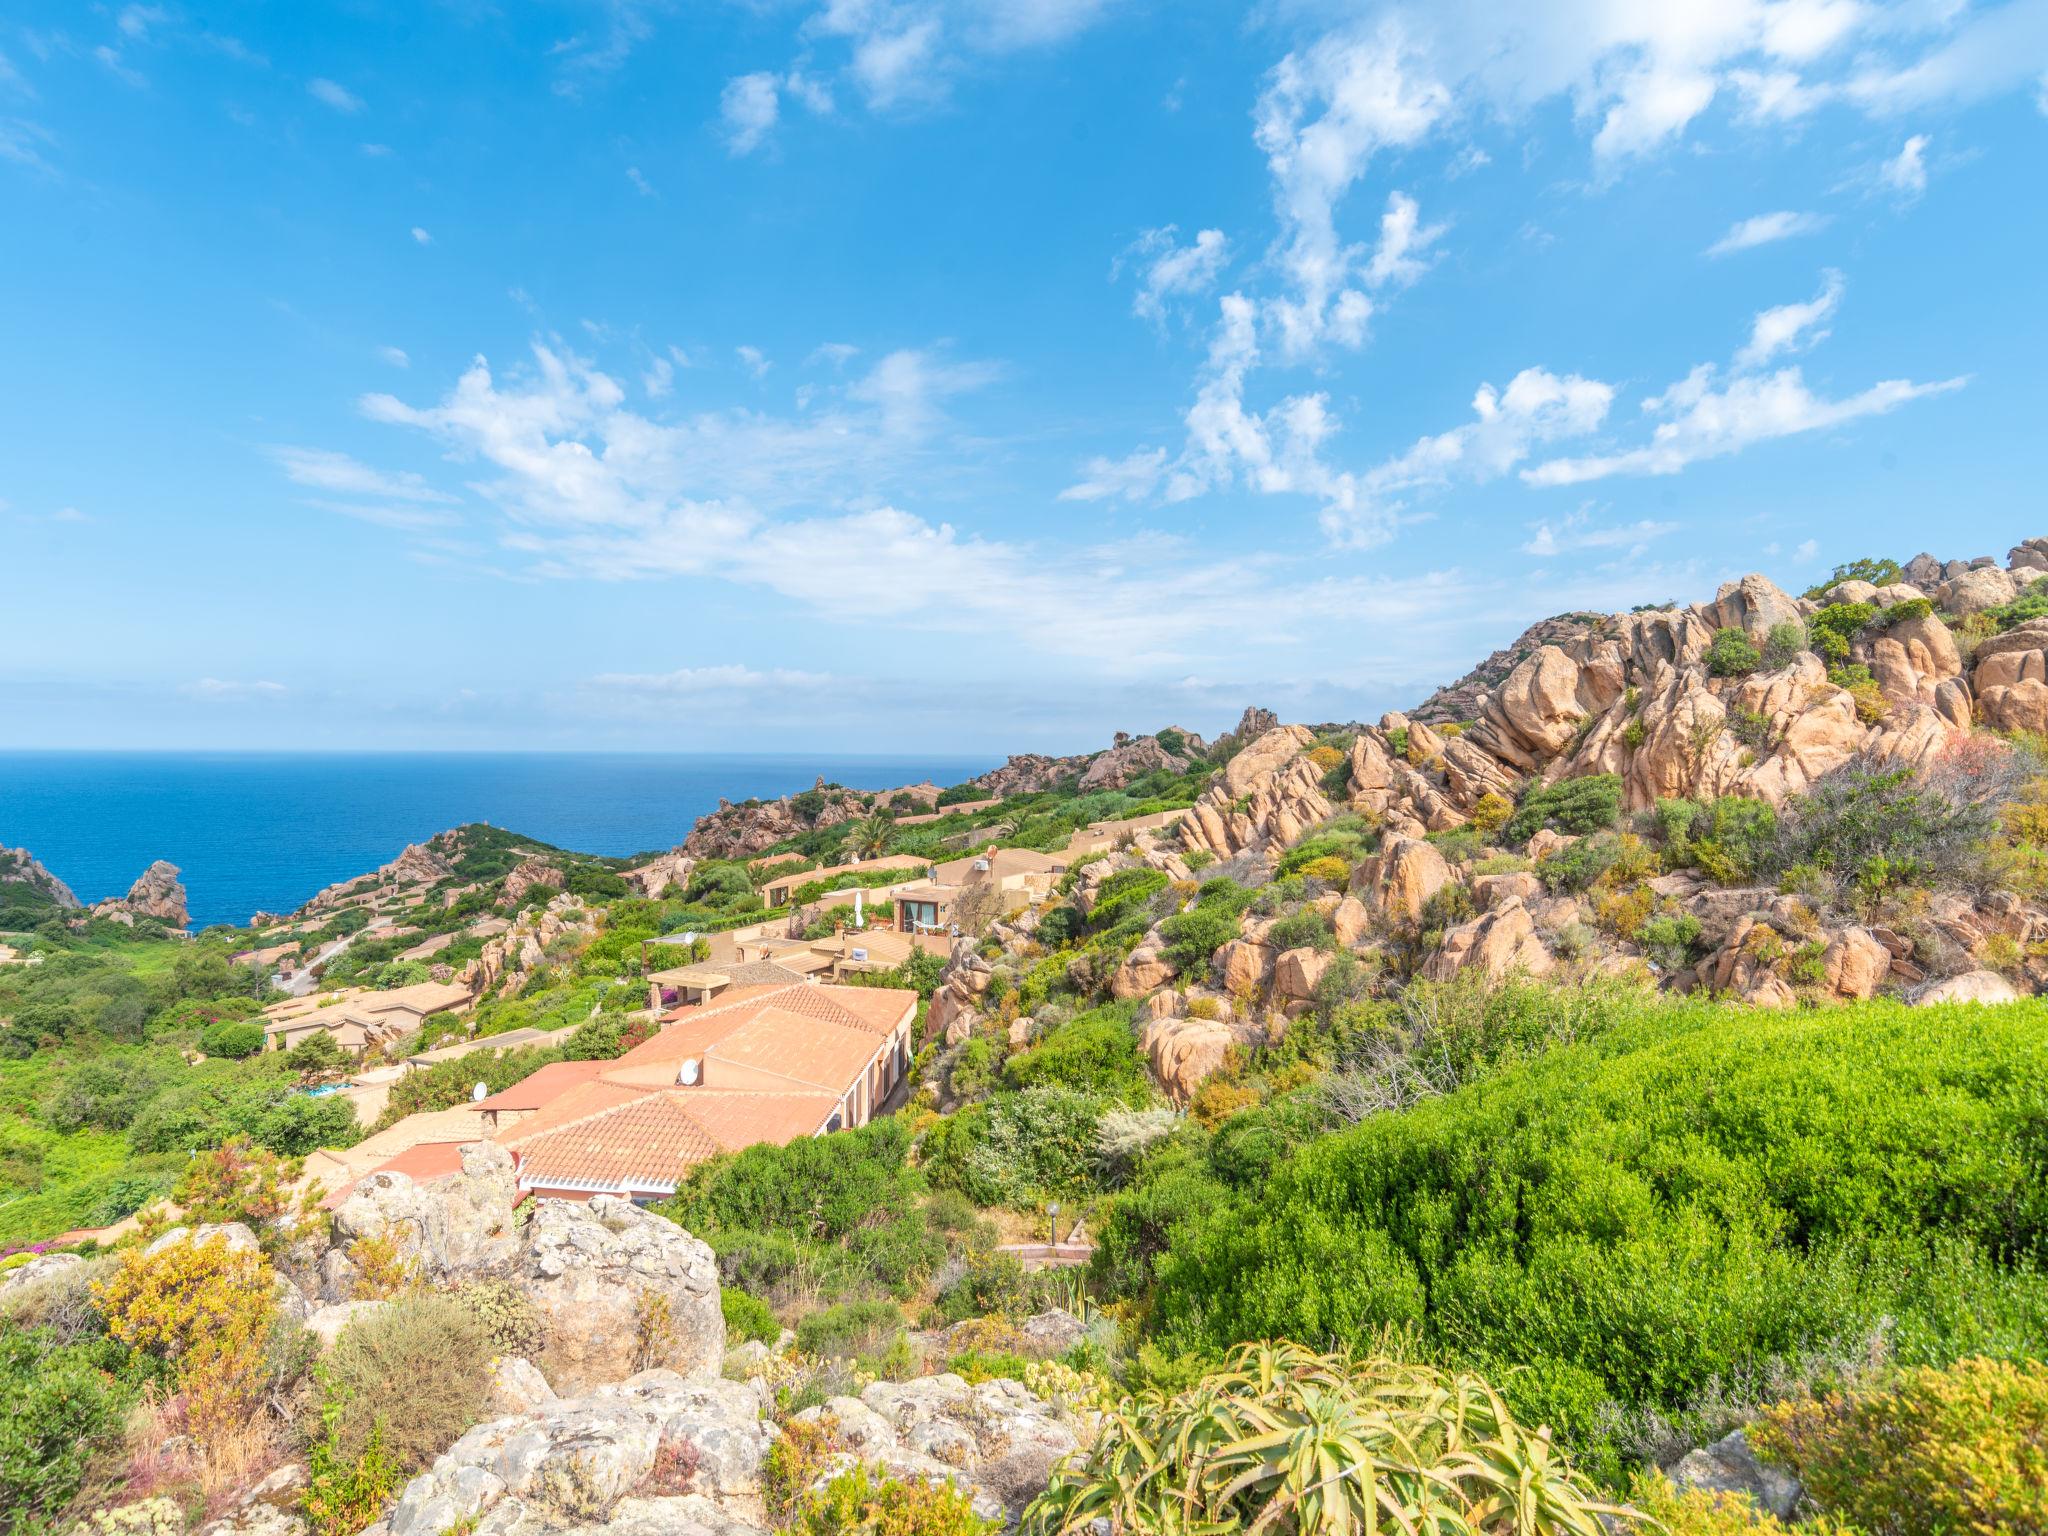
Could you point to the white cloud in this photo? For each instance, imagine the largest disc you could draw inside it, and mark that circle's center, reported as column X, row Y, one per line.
column 1170, row 270
column 225, row 691
column 1132, row 478
column 1537, row 407
column 837, row 353
column 1575, row 532
column 322, row 469
column 1705, row 422
column 749, row 106
column 421, row 237
column 111, row 59
column 23, row 143
column 66, row 515
column 1764, row 229
column 640, row 183
column 395, row 356
column 698, row 682
column 332, row 93
column 1789, row 326
column 1401, row 256
column 1808, row 548
column 136, row 20
column 1906, row 172
column 659, row 381
column 754, row 360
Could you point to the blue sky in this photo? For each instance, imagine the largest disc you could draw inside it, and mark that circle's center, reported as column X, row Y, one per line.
column 921, row 374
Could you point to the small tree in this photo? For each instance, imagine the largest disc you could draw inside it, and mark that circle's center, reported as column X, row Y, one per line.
column 1731, row 654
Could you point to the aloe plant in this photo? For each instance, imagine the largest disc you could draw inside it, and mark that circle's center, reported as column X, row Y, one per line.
column 1286, row 1441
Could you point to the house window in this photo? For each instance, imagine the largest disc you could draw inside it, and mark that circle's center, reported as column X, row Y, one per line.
column 921, row 914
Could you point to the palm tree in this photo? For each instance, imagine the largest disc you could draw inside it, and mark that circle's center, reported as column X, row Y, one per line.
column 871, row 834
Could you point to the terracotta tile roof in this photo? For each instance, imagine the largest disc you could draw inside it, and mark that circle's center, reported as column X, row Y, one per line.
column 428, row 1160
column 644, row 1145
column 596, row 1097
column 738, row 1119
column 542, row 1087
column 811, row 1051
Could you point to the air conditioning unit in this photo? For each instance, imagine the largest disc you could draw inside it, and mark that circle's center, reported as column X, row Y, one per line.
column 860, row 954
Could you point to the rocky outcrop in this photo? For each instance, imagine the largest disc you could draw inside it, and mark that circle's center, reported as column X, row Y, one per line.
column 1729, row 1466
column 1462, row 700
column 19, row 867
column 1269, row 793
column 1970, row 987
column 955, row 1005
column 157, row 893
column 2011, row 678
column 1498, row 942
column 1915, row 662
column 1973, row 591
column 617, row 1288
column 576, row 1462
column 452, row 1230
column 740, row 831
column 1134, row 757
column 507, row 959
column 1184, row 1053
column 649, row 880
column 1145, row 969
column 418, row 866
column 592, row 1463
column 529, row 875
column 1029, row 773
column 1398, row 881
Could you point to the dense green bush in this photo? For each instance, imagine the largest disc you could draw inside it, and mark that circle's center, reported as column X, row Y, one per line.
column 1303, row 928
column 1732, row 838
column 232, row 1038
column 1097, row 1051
column 850, row 1328
column 2030, row 604
column 1879, row 572
column 65, row 1404
column 1572, row 806
column 1675, row 1203
column 1125, row 891
column 1731, row 653
column 1018, row 1148
column 1879, row 826
column 1835, row 626
column 747, row 1317
column 846, row 1206
column 1783, row 644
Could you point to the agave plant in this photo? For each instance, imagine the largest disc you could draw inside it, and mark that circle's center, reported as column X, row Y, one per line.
column 1286, row 1441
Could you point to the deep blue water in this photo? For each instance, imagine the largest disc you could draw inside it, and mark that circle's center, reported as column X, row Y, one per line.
column 265, row 831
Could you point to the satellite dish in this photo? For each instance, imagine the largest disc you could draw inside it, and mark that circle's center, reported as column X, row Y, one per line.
column 479, row 1093
column 689, row 1072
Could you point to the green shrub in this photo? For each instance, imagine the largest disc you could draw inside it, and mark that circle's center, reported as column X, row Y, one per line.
column 1193, row 936
column 1831, row 630
column 1783, row 644
column 1303, row 928
column 1125, row 891
column 976, row 1365
column 417, row 1368
column 851, row 1328
column 1669, row 939
column 232, row 1038
column 1097, row 1051
column 1573, row 806
column 1018, row 1148
column 1731, row 653
column 1687, row 1194
column 510, row 1321
column 66, row 1403
column 1932, row 1452
column 2030, row 604
column 863, row 1501
column 747, row 1317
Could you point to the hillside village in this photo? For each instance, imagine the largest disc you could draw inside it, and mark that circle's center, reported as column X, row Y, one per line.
column 1637, row 1039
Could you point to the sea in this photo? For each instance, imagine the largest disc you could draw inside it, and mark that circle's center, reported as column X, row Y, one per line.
column 266, row 831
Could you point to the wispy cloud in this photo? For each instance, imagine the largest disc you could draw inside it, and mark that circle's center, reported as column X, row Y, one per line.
column 217, row 690
column 322, row 469
column 333, row 94
column 1765, row 229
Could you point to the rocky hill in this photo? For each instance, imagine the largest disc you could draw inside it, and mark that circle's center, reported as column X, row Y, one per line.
column 24, row 882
